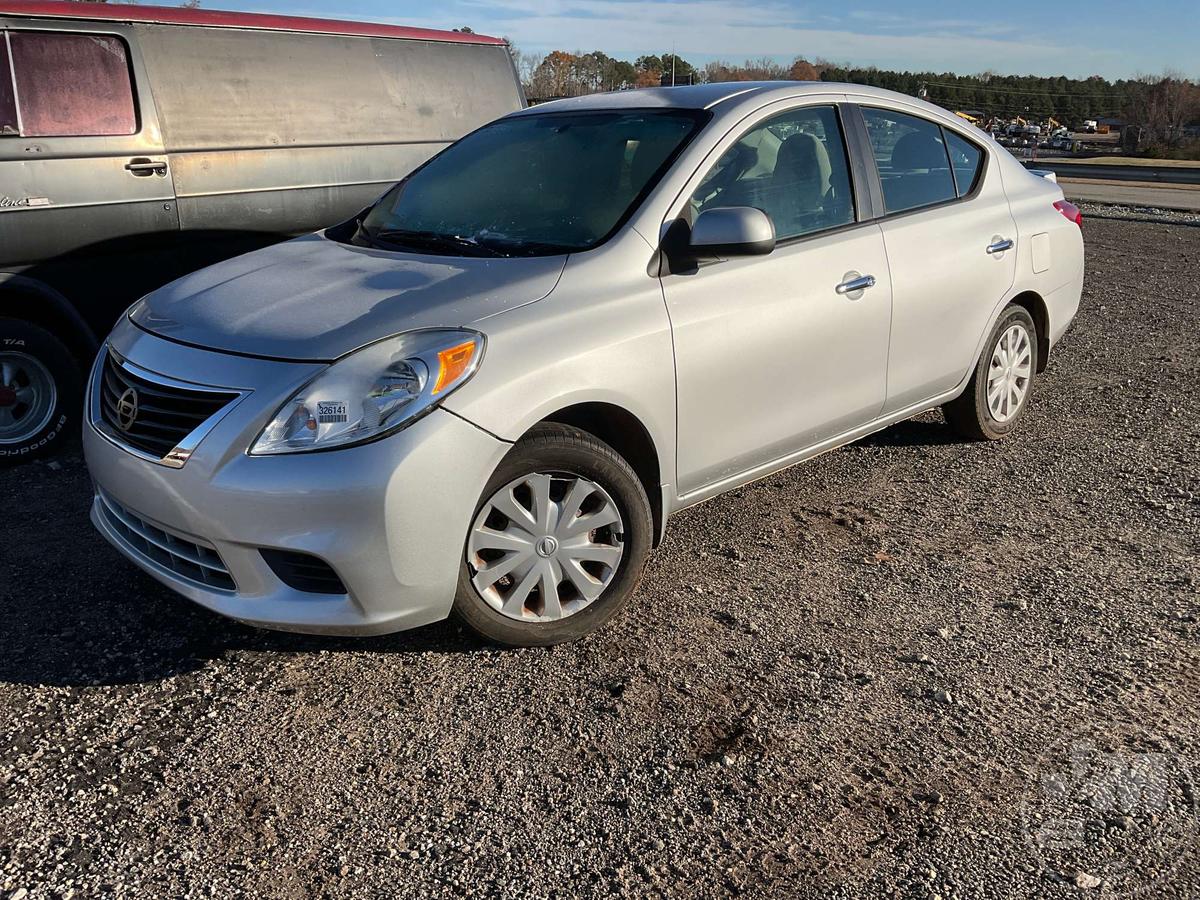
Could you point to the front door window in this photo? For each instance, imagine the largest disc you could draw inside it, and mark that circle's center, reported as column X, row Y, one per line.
column 793, row 167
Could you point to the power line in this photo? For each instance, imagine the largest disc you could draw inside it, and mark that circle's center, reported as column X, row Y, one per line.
column 983, row 86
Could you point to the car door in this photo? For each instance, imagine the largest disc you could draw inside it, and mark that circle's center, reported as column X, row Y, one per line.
column 771, row 356
column 949, row 236
column 86, row 190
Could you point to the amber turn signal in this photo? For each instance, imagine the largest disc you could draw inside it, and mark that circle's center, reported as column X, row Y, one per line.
column 452, row 362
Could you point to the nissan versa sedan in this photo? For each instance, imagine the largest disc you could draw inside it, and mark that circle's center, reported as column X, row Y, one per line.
column 487, row 393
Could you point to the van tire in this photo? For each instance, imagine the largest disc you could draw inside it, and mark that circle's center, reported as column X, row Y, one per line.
column 40, row 386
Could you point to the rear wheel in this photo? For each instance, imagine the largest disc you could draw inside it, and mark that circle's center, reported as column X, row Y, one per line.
column 558, row 543
column 997, row 395
column 40, row 391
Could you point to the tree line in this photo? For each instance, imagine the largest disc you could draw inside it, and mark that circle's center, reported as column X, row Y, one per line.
column 1167, row 103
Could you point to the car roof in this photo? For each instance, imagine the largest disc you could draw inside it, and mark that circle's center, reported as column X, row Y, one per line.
column 708, row 96
column 692, row 96
column 734, row 98
column 213, row 18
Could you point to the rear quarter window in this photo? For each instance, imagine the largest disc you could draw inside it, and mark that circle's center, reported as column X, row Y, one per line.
column 72, row 84
column 965, row 159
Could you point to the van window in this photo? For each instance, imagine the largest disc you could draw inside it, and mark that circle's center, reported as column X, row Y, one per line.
column 964, row 159
column 8, row 104
column 911, row 159
column 72, row 84
column 792, row 167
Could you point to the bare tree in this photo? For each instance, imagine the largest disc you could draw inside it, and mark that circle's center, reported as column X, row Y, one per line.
column 527, row 64
column 1160, row 106
column 761, row 69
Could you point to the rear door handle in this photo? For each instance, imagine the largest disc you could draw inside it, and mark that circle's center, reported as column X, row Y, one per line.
column 142, row 166
column 1000, row 246
column 853, row 285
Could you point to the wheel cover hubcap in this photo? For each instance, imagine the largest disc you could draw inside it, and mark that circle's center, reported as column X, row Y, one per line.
column 1009, row 373
column 545, row 546
column 27, row 397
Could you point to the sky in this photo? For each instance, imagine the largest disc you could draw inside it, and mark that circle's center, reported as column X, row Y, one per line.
column 1111, row 38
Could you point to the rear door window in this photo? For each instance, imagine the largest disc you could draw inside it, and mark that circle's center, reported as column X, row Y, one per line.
column 72, row 84
column 911, row 158
column 8, row 103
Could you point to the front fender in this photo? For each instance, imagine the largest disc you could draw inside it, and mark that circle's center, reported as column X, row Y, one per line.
column 602, row 336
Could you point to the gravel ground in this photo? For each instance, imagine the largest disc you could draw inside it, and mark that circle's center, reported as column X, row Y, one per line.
column 912, row 668
column 1139, row 213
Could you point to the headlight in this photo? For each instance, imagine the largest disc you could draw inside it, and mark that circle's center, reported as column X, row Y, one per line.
column 373, row 392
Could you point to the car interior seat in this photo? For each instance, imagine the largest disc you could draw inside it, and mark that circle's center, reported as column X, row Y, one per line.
column 800, row 193
column 919, row 173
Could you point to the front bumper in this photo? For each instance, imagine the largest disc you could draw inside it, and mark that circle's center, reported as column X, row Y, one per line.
column 390, row 517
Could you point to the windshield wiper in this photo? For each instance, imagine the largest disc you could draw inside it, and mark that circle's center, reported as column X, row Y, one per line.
column 432, row 240
column 518, row 247
column 360, row 236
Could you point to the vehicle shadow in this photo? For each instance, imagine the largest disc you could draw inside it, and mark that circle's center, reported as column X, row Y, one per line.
column 129, row 629
column 922, row 432
column 74, row 613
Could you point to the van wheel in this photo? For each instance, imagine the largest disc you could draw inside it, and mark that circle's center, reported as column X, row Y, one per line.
column 558, row 543
column 40, row 389
column 998, row 394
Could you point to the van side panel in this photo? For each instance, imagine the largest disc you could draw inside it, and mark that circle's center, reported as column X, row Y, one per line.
column 75, row 221
column 286, row 132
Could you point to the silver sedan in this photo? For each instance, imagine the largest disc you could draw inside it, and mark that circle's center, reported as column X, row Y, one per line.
column 489, row 392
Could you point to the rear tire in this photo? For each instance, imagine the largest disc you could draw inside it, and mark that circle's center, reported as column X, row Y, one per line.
column 998, row 394
column 591, row 571
column 40, row 391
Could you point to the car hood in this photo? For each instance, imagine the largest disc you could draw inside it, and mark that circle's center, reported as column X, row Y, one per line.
column 315, row 299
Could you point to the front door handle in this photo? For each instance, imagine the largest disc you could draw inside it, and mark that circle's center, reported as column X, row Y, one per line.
column 1000, row 246
column 855, row 284
column 142, row 166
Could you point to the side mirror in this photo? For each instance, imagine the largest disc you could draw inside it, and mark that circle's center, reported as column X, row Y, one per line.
column 732, row 231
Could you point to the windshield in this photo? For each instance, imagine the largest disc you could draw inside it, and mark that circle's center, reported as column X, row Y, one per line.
column 531, row 185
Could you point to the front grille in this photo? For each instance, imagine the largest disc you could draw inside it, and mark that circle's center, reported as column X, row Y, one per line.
column 303, row 572
column 151, row 416
column 187, row 558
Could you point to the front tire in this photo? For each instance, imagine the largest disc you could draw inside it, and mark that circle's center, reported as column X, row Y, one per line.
column 558, row 542
column 40, row 389
column 998, row 393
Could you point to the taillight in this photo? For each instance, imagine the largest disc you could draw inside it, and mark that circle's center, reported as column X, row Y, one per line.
column 1070, row 210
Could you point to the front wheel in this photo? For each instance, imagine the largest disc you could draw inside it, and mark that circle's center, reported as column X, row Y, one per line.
column 558, row 543
column 40, row 391
column 998, row 393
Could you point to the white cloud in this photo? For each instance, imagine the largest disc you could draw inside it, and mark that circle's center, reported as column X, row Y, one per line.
column 732, row 30
column 726, row 29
